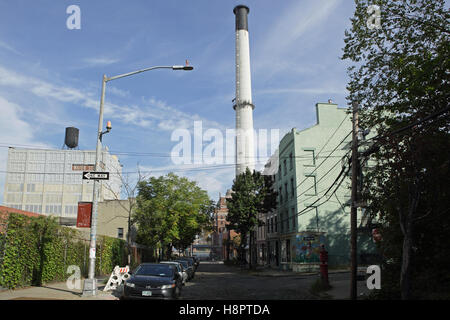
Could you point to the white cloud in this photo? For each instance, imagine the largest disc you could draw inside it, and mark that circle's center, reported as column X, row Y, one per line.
column 6, row 46
column 157, row 113
column 167, row 117
column 285, row 36
column 100, row 61
column 118, row 92
column 13, row 131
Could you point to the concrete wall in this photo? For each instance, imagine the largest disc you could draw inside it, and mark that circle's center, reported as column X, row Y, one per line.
column 316, row 163
column 112, row 215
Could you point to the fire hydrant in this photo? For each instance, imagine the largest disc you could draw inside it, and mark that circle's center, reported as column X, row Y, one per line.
column 323, row 264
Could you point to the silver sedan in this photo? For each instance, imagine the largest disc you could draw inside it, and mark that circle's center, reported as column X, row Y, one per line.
column 183, row 273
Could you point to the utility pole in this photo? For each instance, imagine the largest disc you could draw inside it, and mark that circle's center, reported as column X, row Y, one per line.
column 90, row 284
column 354, row 208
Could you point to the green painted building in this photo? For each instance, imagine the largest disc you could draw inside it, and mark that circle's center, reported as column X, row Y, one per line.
column 314, row 207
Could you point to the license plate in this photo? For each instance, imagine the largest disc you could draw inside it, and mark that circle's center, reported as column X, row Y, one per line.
column 146, row 293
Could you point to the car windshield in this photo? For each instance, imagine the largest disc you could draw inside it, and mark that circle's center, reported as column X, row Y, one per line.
column 176, row 265
column 184, row 263
column 154, row 270
column 186, row 259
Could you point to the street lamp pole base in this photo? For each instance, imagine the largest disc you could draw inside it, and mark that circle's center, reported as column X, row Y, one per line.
column 90, row 288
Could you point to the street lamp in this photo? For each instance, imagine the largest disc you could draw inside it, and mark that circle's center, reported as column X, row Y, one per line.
column 90, row 284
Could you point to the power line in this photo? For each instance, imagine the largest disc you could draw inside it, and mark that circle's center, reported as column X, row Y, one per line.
column 149, row 154
column 378, row 137
column 311, row 206
column 321, row 177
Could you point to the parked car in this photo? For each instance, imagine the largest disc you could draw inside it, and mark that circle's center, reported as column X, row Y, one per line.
column 153, row 280
column 183, row 273
column 191, row 262
column 188, row 267
column 197, row 260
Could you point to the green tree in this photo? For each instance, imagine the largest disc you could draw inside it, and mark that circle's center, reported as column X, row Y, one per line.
column 400, row 77
column 251, row 194
column 170, row 211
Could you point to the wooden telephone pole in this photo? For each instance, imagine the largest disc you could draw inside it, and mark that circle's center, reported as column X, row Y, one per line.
column 353, row 213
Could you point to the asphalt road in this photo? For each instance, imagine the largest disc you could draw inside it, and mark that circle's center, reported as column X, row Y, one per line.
column 219, row 281
column 215, row 281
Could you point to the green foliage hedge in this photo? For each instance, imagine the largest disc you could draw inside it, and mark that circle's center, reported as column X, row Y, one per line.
column 37, row 250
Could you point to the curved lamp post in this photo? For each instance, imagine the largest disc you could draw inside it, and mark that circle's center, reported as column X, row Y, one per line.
column 90, row 284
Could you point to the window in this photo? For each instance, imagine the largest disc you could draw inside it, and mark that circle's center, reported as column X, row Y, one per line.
column 281, row 195
column 13, row 197
column 53, row 198
column 287, row 220
column 36, row 166
column 17, row 166
column 73, row 178
column 35, row 208
column 55, row 167
column 294, row 218
column 286, row 191
column 18, row 155
column 16, row 177
column 53, row 209
column 279, row 171
column 292, row 187
column 71, row 210
column 282, row 222
column 33, row 198
column 35, row 177
column 288, row 250
column 120, row 233
column 285, row 166
column 276, row 224
column 291, row 165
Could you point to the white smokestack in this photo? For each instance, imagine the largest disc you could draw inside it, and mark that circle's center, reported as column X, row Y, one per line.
column 243, row 103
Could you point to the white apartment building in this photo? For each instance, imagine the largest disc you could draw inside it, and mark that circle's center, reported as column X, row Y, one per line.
column 50, row 181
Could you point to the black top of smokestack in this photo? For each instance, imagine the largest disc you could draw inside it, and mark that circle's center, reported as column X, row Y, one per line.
column 241, row 13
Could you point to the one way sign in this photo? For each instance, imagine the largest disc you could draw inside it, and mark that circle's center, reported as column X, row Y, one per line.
column 89, row 175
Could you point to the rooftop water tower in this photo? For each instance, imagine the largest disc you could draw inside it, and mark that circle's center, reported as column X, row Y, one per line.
column 71, row 138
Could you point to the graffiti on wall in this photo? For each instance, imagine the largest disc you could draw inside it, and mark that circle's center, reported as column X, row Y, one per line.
column 306, row 247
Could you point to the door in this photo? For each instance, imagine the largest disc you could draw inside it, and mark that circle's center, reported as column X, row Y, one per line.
column 277, row 253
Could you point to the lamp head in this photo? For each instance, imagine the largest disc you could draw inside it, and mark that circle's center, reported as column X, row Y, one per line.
column 185, row 67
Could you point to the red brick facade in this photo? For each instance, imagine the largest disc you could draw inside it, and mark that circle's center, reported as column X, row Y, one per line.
column 224, row 248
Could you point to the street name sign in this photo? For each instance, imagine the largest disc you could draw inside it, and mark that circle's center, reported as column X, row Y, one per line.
column 90, row 175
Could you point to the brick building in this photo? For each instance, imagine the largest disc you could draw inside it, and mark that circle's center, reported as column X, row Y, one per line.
column 223, row 246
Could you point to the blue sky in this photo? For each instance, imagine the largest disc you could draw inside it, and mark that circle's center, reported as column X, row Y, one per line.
column 50, row 76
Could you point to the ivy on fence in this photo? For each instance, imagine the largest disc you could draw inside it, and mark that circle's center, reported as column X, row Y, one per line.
column 37, row 250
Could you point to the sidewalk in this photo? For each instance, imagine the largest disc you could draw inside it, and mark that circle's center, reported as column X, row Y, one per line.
column 340, row 287
column 339, row 280
column 271, row 272
column 341, row 290
column 57, row 291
